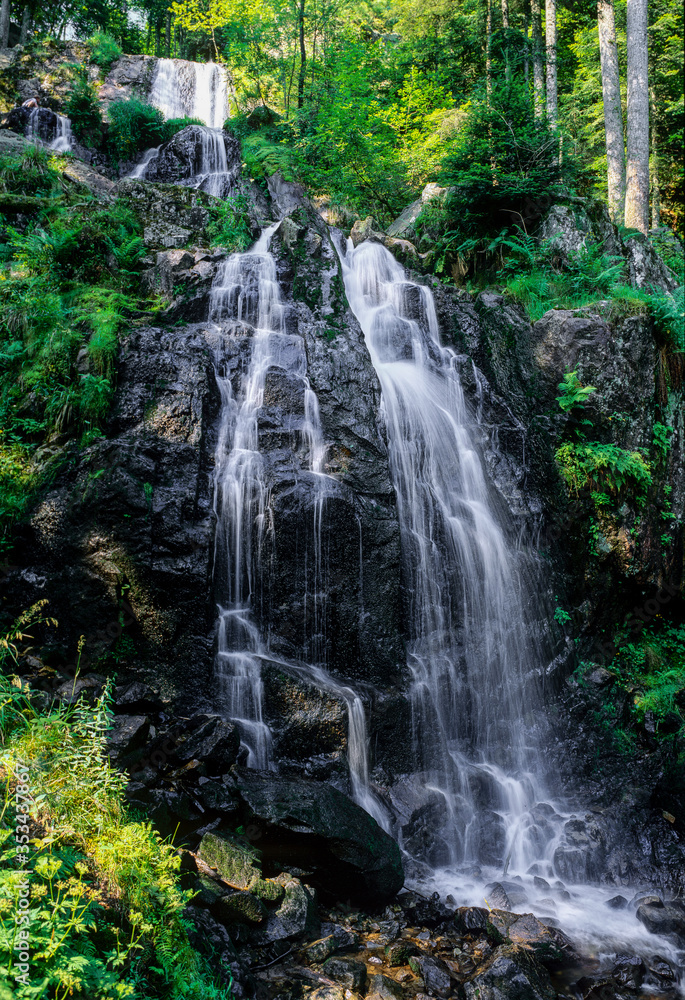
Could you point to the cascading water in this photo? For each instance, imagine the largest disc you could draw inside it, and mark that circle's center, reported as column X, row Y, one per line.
column 183, row 89
column 470, row 651
column 58, row 135
column 246, row 299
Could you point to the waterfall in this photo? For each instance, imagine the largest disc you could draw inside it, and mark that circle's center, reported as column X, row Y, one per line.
column 471, row 650
column 183, row 89
column 58, row 136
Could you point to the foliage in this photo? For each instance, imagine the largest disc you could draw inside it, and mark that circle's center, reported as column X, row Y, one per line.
column 83, row 110
column 603, row 466
column 104, row 50
column 230, row 225
column 133, row 127
column 106, row 905
column 572, row 393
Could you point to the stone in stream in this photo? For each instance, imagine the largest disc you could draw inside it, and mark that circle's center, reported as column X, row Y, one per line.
column 348, row 972
column 551, row 947
column 662, row 919
column 617, row 903
column 434, row 972
column 239, row 907
column 383, row 988
column 510, row 974
column 235, row 864
column 315, row 826
column 319, row 951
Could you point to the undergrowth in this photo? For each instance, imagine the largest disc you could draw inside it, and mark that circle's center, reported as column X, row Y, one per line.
column 105, row 915
column 69, row 282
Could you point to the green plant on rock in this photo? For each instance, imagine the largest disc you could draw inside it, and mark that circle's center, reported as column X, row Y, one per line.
column 104, row 50
column 661, row 439
column 230, row 224
column 572, row 393
column 83, row 110
column 594, row 465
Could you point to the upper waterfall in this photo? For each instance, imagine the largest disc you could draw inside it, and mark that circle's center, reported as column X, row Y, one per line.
column 183, row 89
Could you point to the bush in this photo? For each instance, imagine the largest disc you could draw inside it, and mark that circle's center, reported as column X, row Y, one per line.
column 174, row 125
column 133, row 127
column 230, row 225
column 83, row 110
column 104, row 50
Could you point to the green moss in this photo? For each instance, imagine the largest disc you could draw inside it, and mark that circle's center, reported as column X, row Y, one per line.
column 235, row 863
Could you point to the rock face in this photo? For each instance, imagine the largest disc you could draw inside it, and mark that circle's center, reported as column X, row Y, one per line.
column 322, row 830
column 129, row 522
column 173, row 216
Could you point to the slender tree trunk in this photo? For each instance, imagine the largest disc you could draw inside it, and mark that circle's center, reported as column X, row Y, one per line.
column 4, row 23
column 613, row 117
column 158, row 39
column 167, row 39
column 551, row 47
column 505, row 26
column 303, row 56
column 637, row 172
column 538, row 72
column 656, row 190
column 526, row 33
column 25, row 25
column 488, row 49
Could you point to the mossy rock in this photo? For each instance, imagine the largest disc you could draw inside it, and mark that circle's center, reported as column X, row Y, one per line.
column 236, row 864
column 239, row 907
column 269, row 891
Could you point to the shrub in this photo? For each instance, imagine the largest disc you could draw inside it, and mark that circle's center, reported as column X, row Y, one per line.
column 104, row 50
column 83, row 110
column 603, row 466
column 230, row 225
column 133, row 127
column 174, row 125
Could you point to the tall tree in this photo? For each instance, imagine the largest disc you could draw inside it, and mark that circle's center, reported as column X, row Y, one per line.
column 303, row 54
column 505, row 26
column 538, row 71
column 654, row 171
column 613, row 118
column 4, row 23
column 637, row 172
column 25, row 25
column 488, row 48
column 551, row 47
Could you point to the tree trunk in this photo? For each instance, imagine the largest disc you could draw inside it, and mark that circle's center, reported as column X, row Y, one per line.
column 25, row 25
column 488, row 49
column 303, row 56
column 613, row 117
column 551, row 47
column 637, row 172
column 4, row 23
column 158, row 40
column 538, row 73
column 656, row 190
column 167, row 38
column 505, row 26
column 526, row 57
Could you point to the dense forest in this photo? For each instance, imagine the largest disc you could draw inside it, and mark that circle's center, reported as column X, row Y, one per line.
column 342, row 500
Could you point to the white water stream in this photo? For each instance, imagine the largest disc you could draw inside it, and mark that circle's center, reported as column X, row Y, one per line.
column 63, row 139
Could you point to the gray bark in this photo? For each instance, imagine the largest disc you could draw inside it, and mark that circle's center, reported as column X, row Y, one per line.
column 25, row 25
column 656, row 190
column 167, row 37
column 488, row 49
column 4, row 23
column 505, row 26
column 551, row 47
column 613, row 118
column 637, row 172
column 538, row 71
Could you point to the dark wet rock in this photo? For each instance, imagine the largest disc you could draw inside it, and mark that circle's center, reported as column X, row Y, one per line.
column 399, row 952
column 383, row 988
column 181, row 158
column 662, row 970
column 215, row 741
column 424, row 912
column 319, row 827
column 435, row 974
column 661, row 919
column 506, row 895
column 629, row 972
column 551, row 947
column 217, row 796
column 211, row 939
column 348, row 972
column 127, row 732
column 345, row 940
column 474, row 920
column 136, row 697
column 510, row 974
column 295, row 917
column 319, row 951
column 617, row 903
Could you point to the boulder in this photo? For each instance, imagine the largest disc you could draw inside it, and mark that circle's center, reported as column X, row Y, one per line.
column 215, row 742
column 435, row 974
column 239, row 907
column 663, row 919
column 383, row 988
column 348, row 972
column 127, row 733
column 296, row 916
column 550, row 946
column 317, row 827
column 192, row 152
column 511, row 973
column 403, row 226
column 286, row 196
column 646, row 268
column 235, row 864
